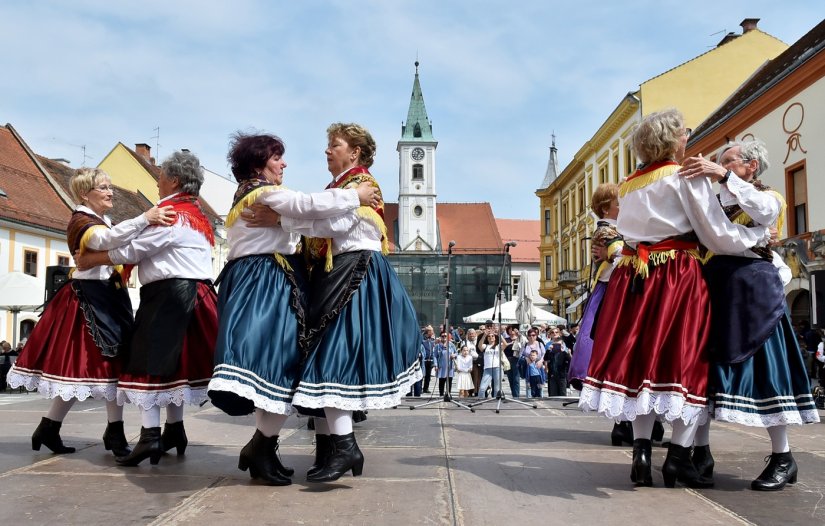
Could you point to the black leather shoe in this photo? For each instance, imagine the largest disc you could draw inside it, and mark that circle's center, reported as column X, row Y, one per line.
column 781, row 470
column 622, row 433
column 323, row 449
column 260, row 457
column 48, row 434
column 358, row 416
column 658, row 432
column 174, row 435
column 114, row 439
column 679, row 467
column 640, row 470
column 148, row 446
column 703, row 461
column 345, row 456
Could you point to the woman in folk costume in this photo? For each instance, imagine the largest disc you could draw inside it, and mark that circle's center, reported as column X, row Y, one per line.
column 171, row 353
column 74, row 351
column 262, row 299
column 363, row 337
column 649, row 356
column 758, row 375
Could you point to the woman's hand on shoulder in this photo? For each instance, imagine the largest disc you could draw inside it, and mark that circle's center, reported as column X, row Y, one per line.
column 261, row 216
column 160, row 215
column 368, row 194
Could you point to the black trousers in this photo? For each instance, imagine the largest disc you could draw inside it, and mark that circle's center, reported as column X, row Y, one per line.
column 428, row 371
column 442, row 382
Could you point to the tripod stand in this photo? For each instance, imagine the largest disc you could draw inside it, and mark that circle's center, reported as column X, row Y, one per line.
column 500, row 397
column 447, row 295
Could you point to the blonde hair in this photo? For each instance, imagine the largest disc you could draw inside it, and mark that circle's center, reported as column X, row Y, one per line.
column 657, row 137
column 604, row 195
column 84, row 180
column 355, row 135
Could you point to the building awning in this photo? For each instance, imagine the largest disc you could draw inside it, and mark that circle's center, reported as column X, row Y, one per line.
column 572, row 308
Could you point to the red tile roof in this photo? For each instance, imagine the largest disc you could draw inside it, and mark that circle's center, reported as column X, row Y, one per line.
column 30, row 197
column 526, row 233
column 471, row 225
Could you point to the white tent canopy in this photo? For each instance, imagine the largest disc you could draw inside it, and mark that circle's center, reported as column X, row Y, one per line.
column 19, row 292
column 508, row 315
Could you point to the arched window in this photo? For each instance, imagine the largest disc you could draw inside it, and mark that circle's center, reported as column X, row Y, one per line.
column 418, row 172
column 417, row 130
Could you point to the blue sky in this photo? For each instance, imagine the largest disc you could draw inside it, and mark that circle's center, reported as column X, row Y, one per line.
column 498, row 77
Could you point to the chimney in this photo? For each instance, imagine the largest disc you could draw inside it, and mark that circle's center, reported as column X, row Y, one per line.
column 749, row 24
column 145, row 151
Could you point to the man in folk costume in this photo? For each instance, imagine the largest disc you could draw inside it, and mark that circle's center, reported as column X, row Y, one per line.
column 170, row 357
column 757, row 374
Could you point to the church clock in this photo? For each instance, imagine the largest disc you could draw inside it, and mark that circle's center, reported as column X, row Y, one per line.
column 417, row 154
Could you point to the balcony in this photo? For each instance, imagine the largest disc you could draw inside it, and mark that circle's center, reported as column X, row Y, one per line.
column 568, row 278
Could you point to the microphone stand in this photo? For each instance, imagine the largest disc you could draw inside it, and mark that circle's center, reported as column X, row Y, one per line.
column 447, row 294
column 500, row 397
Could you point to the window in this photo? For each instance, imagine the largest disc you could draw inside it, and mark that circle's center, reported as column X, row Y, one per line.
column 581, row 199
column 63, row 261
column 629, row 165
column 796, row 180
column 30, row 262
column 418, row 172
column 548, row 267
column 417, row 130
column 565, row 259
column 564, row 217
column 582, row 251
column 547, row 223
column 616, row 167
column 417, row 211
column 602, row 174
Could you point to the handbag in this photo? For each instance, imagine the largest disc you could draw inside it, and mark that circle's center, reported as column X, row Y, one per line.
column 505, row 363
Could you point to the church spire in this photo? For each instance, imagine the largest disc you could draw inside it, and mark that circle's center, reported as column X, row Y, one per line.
column 417, row 127
column 552, row 166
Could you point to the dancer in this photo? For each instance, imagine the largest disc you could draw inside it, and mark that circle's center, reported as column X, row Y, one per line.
column 262, row 299
column 363, row 337
column 74, row 351
column 171, row 353
column 649, row 357
column 758, row 375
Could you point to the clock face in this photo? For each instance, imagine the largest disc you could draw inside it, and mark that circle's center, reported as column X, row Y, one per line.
column 417, row 154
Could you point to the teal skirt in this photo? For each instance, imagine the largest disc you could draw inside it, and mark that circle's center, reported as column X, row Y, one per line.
column 367, row 356
column 261, row 308
column 768, row 389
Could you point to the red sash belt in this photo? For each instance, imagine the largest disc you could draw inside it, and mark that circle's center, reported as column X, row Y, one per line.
column 643, row 250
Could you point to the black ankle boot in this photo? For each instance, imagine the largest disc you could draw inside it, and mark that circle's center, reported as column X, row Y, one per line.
column 260, row 456
column 174, row 435
column 679, row 467
column 148, row 446
column 622, row 433
column 48, row 434
column 781, row 470
column 323, row 449
column 703, row 461
column 640, row 470
column 114, row 439
column 345, row 456
column 658, row 432
column 358, row 416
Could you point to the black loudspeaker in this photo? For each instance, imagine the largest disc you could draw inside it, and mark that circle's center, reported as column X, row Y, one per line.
column 818, row 299
column 56, row 276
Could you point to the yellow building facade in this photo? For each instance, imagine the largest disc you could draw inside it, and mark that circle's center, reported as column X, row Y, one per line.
column 132, row 170
column 696, row 88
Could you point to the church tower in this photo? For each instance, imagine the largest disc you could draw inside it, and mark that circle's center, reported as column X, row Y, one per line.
column 417, row 225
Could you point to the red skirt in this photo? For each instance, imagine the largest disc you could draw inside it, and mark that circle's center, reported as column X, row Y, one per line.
column 61, row 358
column 649, row 348
column 188, row 384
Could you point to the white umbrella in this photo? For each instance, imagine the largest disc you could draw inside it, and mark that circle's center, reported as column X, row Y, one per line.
column 508, row 315
column 19, row 292
column 524, row 301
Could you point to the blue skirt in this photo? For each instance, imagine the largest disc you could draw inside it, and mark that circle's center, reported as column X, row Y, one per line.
column 260, row 312
column 583, row 348
column 367, row 358
column 768, row 389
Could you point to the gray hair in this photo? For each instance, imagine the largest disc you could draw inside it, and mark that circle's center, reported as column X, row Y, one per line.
column 750, row 151
column 657, row 137
column 186, row 168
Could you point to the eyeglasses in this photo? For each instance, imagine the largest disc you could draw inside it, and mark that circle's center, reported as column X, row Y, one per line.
column 104, row 188
column 733, row 160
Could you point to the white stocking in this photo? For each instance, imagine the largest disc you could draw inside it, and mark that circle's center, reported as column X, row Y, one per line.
column 150, row 418
column 683, row 434
column 59, row 409
column 339, row 421
column 702, row 435
column 114, row 412
column 174, row 413
column 643, row 426
column 269, row 424
column 779, row 439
